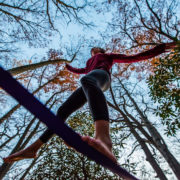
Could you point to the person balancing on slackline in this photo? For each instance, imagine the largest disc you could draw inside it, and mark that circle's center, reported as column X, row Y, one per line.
column 96, row 81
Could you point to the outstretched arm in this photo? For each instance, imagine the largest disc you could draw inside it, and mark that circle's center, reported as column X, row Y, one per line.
column 159, row 49
column 76, row 70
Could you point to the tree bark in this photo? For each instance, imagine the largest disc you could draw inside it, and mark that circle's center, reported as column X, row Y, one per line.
column 30, row 67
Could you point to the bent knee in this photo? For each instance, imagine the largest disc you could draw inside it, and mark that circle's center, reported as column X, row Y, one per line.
column 86, row 80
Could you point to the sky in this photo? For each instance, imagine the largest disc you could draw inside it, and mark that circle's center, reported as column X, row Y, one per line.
column 71, row 32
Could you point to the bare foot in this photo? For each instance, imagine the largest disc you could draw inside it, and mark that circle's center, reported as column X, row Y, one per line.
column 100, row 146
column 23, row 154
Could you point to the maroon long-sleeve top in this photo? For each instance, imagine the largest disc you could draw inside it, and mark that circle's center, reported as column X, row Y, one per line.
column 106, row 61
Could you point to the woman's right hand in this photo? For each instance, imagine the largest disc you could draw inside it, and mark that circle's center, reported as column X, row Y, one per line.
column 66, row 64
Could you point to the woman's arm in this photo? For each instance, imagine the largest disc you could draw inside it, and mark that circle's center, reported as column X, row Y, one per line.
column 159, row 49
column 76, row 70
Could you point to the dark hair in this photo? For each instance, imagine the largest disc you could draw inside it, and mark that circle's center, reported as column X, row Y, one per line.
column 101, row 50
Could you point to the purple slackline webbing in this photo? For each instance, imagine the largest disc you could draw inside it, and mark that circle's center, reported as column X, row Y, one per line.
column 15, row 89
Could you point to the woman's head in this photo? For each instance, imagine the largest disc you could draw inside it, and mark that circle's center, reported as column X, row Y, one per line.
column 96, row 50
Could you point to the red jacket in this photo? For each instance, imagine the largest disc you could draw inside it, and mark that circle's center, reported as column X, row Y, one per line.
column 106, row 61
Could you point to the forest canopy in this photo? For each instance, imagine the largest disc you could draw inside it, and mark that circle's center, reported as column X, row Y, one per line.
column 37, row 38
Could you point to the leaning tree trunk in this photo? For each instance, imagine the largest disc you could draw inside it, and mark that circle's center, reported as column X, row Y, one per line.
column 30, row 67
column 6, row 166
column 158, row 140
column 145, row 148
column 149, row 156
column 9, row 113
column 31, row 165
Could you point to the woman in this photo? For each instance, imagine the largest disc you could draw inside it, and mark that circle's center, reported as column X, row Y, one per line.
column 94, row 83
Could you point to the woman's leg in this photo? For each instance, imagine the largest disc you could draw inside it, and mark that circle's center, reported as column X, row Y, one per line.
column 102, row 141
column 74, row 102
column 93, row 85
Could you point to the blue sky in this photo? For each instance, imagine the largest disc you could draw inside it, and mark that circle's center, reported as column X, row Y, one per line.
column 70, row 34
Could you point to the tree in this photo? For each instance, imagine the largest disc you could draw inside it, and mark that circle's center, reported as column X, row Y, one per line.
column 131, row 129
column 54, row 59
column 164, row 89
column 34, row 22
column 141, row 127
column 23, row 139
column 145, row 22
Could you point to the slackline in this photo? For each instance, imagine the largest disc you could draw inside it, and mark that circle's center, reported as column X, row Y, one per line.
column 16, row 90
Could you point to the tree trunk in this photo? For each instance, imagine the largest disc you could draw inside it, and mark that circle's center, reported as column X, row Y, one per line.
column 5, row 167
column 8, row 114
column 21, row 69
column 158, row 140
column 149, row 156
column 31, row 165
